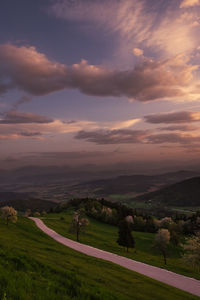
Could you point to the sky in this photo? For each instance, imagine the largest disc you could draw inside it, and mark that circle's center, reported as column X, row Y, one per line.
column 99, row 82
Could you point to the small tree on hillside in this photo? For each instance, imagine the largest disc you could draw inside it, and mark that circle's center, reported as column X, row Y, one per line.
column 162, row 239
column 125, row 237
column 79, row 222
column 192, row 251
column 9, row 214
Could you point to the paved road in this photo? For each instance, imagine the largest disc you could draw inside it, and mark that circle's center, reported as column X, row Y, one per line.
column 184, row 283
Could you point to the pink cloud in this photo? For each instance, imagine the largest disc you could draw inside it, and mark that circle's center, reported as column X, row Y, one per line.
column 33, row 72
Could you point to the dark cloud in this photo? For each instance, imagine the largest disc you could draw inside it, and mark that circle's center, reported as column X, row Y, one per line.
column 71, row 155
column 30, row 134
column 105, row 137
column 178, row 128
column 172, row 138
column 10, row 159
column 174, row 117
column 59, row 156
column 70, row 122
column 15, row 117
column 126, row 136
column 33, row 72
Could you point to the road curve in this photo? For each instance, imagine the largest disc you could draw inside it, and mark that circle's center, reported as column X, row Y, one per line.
column 184, row 283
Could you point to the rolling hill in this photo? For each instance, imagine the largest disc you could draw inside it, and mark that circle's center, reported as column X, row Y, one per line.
column 184, row 193
column 24, row 201
column 138, row 184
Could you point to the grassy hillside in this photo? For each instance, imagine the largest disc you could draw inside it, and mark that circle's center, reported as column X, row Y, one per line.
column 33, row 266
column 104, row 236
column 184, row 193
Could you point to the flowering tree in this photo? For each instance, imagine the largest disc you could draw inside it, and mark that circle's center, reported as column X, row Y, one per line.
column 162, row 239
column 129, row 219
column 79, row 222
column 192, row 251
column 9, row 214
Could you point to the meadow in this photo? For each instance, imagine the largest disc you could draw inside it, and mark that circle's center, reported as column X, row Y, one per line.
column 33, row 266
column 104, row 236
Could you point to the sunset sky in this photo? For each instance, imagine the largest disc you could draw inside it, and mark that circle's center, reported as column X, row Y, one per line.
column 99, row 81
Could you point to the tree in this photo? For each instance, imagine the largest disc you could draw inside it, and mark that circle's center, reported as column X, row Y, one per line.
column 125, row 237
column 129, row 219
column 162, row 239
column 79, row 222
column 192, row 251
column 139, row 223
column 37, row 214
column 9, row 214
column 27, row 213
column 165, row 222
column 175, row 233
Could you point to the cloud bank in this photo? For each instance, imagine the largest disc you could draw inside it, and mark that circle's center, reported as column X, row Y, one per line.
column 15, row 117
column 183, row 128
column 123, row 136
column 30, row 71
column 174, row 117
column 106, row 137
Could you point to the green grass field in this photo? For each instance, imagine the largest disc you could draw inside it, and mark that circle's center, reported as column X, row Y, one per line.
column 33, row 266
column 104, row 236
column 187, row 209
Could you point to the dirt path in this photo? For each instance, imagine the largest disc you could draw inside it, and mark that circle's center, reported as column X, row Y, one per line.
column 184, row 283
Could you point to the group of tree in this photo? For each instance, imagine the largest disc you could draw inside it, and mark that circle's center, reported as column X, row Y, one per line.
column 112, row 213
column 167, row 229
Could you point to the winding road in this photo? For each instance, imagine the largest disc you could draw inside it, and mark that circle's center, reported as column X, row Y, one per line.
column 184, row 283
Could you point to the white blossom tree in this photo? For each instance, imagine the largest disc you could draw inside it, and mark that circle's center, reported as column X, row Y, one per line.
column 162, row 239
column 129, row 219
column 79, row 222
column 9, row 214
column 192, row 251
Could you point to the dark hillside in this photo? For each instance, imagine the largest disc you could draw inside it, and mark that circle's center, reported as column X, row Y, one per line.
column 184, row 193
column 24, row 201
column 32, row 204
column 136, row 183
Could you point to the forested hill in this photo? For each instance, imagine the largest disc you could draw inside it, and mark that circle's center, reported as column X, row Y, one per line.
column 184, row 193
column 24, row 201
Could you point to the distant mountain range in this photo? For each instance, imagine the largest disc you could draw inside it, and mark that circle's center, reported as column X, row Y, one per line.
column 184, row 193
column 174, row 188
column 53, row 174
column 138, row 184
